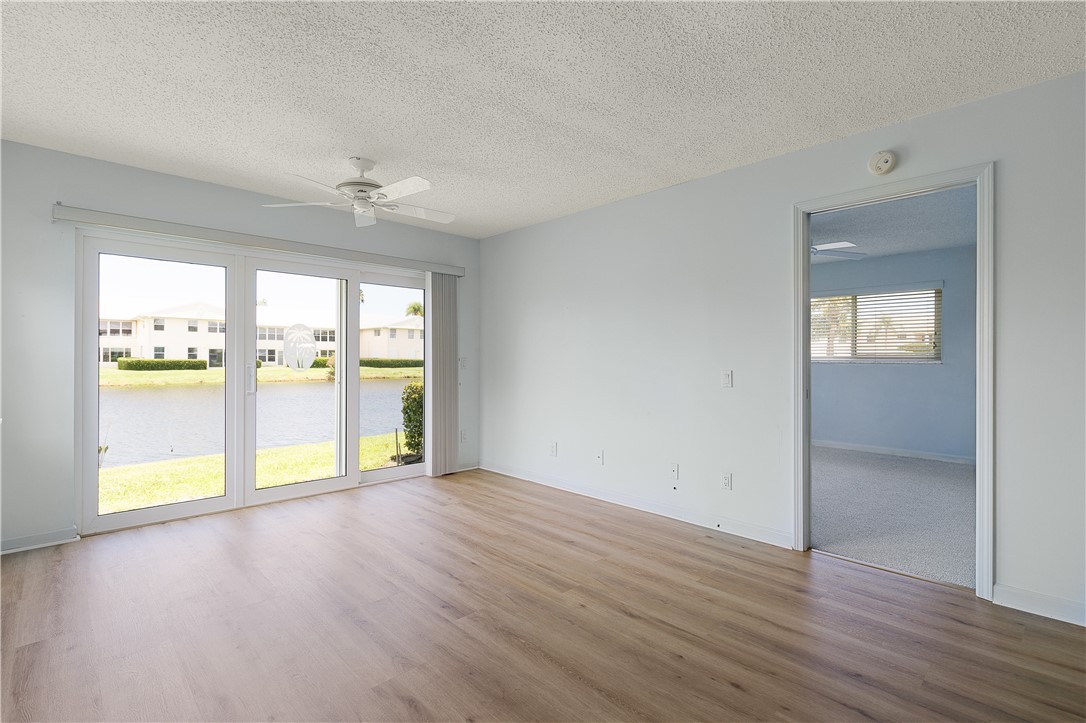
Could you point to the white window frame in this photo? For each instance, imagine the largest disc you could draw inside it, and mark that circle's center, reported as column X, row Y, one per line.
column 347, row 422
column 107, row 353
column 155, row 352
column 115, row 327
column 89, row 246
column 91, row 241
column 858, row 358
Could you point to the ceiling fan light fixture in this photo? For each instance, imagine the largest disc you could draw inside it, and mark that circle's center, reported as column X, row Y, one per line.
column 365, row 194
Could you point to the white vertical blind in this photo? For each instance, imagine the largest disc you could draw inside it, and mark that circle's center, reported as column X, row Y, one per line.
column 444, row 445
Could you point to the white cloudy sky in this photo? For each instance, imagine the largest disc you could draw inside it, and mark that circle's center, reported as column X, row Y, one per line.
column 132, row 287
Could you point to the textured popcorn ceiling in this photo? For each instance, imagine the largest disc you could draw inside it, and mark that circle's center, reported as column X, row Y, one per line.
column 517, row 113
column 931, row 221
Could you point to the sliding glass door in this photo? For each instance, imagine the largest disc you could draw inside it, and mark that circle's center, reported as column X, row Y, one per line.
column 391, row 392
column 157, row 409
column 296, row 390
column 214, row 380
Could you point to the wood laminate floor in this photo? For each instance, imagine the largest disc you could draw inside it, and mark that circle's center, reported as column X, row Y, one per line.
column 481, row 597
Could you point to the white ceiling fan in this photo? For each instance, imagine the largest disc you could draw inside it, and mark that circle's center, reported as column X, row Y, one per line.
column 365, row 195
column 835, row 249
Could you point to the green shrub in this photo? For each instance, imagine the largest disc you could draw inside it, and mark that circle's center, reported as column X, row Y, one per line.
column 259, row 363
column 158, row 365
column 320, row 362
column 414, row 417
column 390, row 363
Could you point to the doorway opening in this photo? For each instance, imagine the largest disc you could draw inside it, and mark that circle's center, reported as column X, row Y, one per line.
column 894, row 432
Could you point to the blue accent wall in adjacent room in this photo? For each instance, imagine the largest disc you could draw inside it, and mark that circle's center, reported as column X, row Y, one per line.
column 925, row 409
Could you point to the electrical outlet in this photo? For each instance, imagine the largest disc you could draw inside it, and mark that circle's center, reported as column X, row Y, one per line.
column 675, row 471
column 599, row 458
column 727, row 481
column 726, row 378
column 554, row 449
column 463, row 436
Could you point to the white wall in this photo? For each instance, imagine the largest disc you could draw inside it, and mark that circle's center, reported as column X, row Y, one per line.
column 175, row 338
column 38, row 302
column 575, row 310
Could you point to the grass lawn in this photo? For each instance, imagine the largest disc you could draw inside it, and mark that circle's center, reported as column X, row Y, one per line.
column 110, row 377
column 135, row 486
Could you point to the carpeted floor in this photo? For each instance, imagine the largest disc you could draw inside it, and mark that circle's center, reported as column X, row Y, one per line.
column 913, row 515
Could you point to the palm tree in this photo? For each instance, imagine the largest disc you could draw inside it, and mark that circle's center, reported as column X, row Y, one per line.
column 831, row 319
column 886, row 326
column 414, row 308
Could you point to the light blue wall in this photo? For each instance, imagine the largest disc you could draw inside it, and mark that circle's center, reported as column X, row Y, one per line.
column 39, row 470
column 921, row 408
column 704, row 270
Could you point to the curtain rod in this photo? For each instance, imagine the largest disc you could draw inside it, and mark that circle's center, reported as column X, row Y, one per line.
column 103, row 219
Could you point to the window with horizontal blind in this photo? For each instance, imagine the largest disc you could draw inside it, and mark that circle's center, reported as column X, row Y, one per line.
column 895, row 326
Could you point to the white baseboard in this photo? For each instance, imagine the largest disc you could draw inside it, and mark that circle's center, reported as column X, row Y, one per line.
column 1070, row 611
column 895, row 452
column 42, row 539
column 779, row 538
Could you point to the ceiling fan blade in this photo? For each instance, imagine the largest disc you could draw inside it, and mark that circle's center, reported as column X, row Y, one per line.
column 320, row 185
column 364, row 217
column 313, row 203
column 838, row 254
column 399, row 189
column 428, row 214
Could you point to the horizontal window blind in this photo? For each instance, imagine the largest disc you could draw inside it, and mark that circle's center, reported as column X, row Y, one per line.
column 897, row 326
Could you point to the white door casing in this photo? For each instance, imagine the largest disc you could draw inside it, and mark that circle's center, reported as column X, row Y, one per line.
column 983, row 178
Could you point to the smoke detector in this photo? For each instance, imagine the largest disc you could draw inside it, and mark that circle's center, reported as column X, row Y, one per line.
column 882, row 163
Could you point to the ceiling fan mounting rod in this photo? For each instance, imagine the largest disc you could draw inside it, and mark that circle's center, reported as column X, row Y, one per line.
column 361, row 165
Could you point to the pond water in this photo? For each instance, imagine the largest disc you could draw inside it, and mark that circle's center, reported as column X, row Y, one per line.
column 147, row 424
